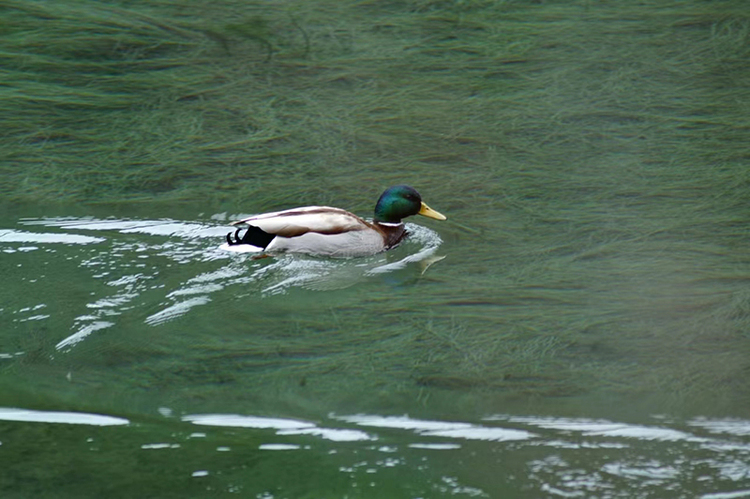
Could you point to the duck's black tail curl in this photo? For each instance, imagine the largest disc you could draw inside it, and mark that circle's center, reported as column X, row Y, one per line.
column 236, row 240
column 253, row 236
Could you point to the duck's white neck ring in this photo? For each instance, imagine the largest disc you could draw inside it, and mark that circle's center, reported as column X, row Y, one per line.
column 390, row 224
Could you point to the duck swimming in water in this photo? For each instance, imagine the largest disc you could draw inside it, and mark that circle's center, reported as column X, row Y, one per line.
column 327, row 231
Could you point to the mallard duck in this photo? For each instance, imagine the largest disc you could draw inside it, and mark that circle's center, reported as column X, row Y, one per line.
column 322, row 230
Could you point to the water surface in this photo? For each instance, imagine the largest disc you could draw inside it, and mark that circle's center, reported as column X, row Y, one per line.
column 196, row 368
column 578, row 327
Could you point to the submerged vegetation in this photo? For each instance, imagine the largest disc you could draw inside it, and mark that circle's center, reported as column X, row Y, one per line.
column 594, row 153
column 113, row 101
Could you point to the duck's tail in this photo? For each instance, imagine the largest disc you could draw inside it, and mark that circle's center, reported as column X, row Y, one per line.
column 253, row 236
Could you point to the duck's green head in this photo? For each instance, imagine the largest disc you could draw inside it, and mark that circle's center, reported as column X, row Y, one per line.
column 402, row 201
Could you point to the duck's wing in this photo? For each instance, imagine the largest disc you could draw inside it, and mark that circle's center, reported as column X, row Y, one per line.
column 298, row 221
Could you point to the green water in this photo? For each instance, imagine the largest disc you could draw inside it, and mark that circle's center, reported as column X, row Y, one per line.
column 578, row 327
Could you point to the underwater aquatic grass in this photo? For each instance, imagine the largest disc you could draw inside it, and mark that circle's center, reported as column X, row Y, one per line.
column 594, row 155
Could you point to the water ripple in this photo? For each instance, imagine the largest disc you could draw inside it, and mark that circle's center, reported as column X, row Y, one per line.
column 137, row 269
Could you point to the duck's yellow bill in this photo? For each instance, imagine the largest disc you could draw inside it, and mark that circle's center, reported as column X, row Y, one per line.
column 428, row 212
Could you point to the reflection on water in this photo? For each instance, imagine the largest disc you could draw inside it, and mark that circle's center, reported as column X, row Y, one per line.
column 441, row 429
column 11, row 414
column 521, row 455
column 159, row 306
column 284, row 426
column 17, row 236
column 127, row 267
column 604, row 428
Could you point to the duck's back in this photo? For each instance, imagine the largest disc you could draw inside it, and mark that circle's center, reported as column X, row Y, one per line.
column 298, row 221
